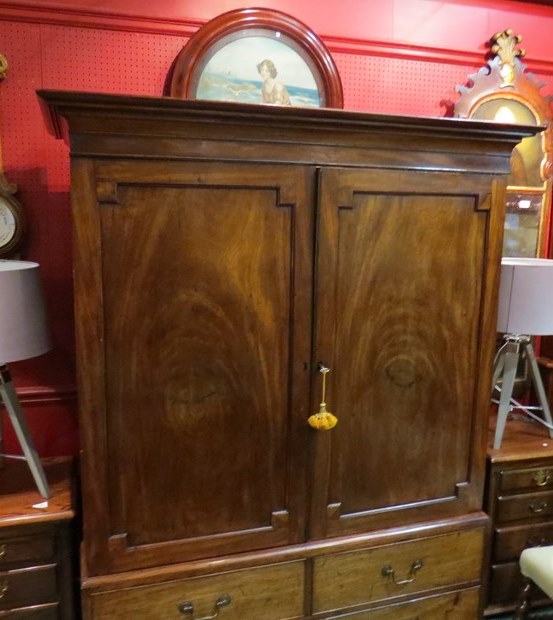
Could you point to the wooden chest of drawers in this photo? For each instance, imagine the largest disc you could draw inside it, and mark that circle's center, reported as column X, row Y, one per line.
column 520, row 505
column 36, row 558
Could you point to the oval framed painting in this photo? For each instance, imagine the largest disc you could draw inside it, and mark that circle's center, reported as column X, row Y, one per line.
column 257, row 56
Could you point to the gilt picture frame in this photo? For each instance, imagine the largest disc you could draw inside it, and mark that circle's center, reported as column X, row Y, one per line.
column 257, row 56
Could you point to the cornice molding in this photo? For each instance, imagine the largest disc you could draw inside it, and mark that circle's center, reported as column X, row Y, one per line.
column 38, row 13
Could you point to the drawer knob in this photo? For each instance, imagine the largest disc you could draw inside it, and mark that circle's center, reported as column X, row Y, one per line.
column 536, row 508
column 388, row 571
column 541, row 477
column 188, row 607
column 3, row 588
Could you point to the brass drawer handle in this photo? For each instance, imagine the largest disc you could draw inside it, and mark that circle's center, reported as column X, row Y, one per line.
column 534, row 541
column 3, row 588
column 188, row 607
column 541, row 477
column 388, row 571
column 536, row 508
column 3, row 550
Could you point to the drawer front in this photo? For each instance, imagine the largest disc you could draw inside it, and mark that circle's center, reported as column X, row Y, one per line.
column 28, row 586
column 362, row 577
column 531, row 478
column 26, row 549
column 460, row 605
column 268, row 593
column 505, row 584
column 509, row 542
column 37, row 612
column 524, row 507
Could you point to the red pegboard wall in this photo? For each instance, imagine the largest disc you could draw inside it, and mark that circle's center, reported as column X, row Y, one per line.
column 399, row 85
column 107, row 60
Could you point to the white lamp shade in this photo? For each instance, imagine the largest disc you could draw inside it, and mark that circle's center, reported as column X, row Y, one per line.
column 23, row 328
column 526, row 297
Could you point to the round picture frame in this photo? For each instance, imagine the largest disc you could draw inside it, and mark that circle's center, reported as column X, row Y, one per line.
column 257, row 56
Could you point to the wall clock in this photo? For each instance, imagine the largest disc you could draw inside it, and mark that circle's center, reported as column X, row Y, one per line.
column 12, row 226
column 12, row 220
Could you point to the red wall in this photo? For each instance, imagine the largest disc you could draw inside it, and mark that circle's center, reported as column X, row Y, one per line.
column 394, row 56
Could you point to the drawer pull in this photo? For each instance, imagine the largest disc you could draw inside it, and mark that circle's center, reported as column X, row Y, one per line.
column 534, row 541
column 536, row 508
column 3, row 588
column 388, row 571
column 188, row 607
column 2, row 551
column 541, row 477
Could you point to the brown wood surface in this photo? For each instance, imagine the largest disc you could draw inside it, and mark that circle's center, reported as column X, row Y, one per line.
column 20, row 501
column 505, row 586
column 519, row 502
column 199, row 356
column 37, row 543
column 28, row 586
column 447, row 560
column 510, row 541
column 205, row 298
column 523, row 441
column 263, row 594
column 459, row 605
column 403, row 361
column 48, row 611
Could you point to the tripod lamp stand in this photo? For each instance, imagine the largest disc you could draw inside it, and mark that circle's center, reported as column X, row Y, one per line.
column 525, row 310
column 23, row 334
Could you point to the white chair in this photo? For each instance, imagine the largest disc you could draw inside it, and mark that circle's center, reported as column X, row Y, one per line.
column 536, row 566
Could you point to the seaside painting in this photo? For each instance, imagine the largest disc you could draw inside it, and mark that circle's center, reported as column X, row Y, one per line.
column 235, row 72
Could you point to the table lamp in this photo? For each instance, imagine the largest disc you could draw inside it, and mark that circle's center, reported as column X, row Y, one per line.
column 23, row 334
column 525, row 310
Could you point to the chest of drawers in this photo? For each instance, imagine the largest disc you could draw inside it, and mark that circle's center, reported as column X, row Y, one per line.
column 520, row 504
column 36, row 544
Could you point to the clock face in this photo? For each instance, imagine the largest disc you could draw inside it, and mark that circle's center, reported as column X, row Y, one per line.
column 10, row 225
column 7, row 224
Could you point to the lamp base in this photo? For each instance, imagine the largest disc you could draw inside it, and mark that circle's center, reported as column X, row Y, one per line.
column 8, row 396
column 505, row 367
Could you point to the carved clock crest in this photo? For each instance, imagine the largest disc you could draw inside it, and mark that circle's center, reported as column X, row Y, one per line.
column 504, row 91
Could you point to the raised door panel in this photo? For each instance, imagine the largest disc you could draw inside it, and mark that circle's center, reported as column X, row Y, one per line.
column 403, row 300
column 196, row 404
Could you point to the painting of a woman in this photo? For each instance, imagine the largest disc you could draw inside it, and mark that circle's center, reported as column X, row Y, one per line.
column 273, row 91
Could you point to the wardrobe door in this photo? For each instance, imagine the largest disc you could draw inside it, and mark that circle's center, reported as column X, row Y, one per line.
column 405, row 305
column 193, row 287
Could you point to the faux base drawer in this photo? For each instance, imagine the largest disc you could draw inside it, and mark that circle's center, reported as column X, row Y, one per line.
column 531, row 478
column 511, row 541
column 505, row 584
column 523, row 507
column 50, row 611
column 38, row 549
column 28, row 586
column 359, row 578
column 267, row 593
column 461, row 605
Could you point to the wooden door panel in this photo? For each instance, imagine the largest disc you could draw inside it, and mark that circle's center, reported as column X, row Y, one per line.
column 400, row 299
column 204, row 280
